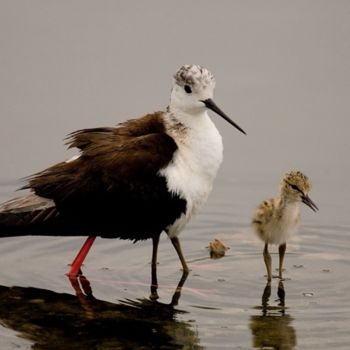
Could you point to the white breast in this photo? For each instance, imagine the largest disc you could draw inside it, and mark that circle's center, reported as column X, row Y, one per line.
column 280, row 229
column 194, row 167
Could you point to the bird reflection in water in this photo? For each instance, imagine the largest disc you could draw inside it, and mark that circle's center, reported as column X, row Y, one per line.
column 272, row 329
column 63, row 321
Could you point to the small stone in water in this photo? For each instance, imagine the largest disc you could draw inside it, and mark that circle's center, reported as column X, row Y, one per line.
column 310, row 294
column 298, row 266
column 217, row 249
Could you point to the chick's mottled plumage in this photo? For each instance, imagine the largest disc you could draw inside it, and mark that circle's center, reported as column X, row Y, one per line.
column 276, row 219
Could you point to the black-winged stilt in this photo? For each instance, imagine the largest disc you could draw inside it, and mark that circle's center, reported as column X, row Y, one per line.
column 132, row 181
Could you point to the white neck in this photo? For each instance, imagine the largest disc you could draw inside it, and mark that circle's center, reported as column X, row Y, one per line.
column 191, row 118
column 197, row 135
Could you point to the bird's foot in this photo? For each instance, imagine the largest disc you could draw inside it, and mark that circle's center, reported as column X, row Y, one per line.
column 277, row 277
column 269, row 279
column 72, row 274
column 281, row 278
column 280, row 274
column 154, row 293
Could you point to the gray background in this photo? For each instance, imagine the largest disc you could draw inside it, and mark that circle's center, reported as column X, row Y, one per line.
column 282, row 71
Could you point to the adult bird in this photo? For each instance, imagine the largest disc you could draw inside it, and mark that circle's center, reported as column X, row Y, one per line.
column 133, row 181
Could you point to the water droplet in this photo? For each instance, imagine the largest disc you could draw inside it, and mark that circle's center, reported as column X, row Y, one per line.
column 308, row 294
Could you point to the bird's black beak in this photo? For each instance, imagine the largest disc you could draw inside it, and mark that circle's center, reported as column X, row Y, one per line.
column 307, row 200
column 209, row 103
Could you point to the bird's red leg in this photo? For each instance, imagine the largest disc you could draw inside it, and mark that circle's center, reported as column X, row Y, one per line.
column 79, row 259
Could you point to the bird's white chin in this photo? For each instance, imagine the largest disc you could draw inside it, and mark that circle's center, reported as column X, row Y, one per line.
column 196, row 109
column 188, row 109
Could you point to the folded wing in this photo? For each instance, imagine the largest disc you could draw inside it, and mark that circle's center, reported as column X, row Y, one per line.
column 112, row 189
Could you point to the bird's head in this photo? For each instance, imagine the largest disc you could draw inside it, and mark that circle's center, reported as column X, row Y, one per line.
column 193, row 90
column 295, row 187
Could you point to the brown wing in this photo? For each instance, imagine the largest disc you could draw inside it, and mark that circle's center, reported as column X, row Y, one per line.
column 110, row 158
column 114, row 188
column 264, row 212
column 88, row 139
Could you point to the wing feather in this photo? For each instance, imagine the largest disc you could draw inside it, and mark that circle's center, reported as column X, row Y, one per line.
column 110, row 158
column 115, row 182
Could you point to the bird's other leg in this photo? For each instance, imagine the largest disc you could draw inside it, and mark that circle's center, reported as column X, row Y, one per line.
column 267, row 260
column 79, row 259
column 176, row 243
column 154, row 281
column 281, row 249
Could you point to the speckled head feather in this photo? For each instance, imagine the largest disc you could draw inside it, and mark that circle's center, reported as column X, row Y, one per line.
column 298, row 179
column 192, row 94
column 195, row 76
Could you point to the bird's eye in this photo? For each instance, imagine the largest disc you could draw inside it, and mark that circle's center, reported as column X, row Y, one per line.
column 294, row 187
column 188, row 89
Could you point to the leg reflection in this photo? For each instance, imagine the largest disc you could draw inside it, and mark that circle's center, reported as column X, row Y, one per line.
column 62, row 320
column 273, row 327
column 265, row 297
column 177, row 293
column 83, row 291
column 281, row 296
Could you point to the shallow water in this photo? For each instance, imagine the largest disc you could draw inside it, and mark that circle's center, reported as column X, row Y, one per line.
column 224, row 303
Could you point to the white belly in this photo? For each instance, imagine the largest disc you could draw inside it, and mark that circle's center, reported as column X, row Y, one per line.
column 193, row 169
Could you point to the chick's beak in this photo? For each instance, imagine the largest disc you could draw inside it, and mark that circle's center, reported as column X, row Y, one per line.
column 209, row 103
column 307, row 200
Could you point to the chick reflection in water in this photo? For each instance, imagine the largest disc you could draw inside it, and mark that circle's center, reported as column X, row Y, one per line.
column 63, row 321
column 272, row 329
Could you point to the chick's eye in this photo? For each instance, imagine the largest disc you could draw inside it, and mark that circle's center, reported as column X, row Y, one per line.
column 188, row 89
column 294, row 187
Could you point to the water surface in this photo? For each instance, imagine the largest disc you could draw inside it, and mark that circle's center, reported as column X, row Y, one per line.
column 223, row 303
